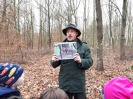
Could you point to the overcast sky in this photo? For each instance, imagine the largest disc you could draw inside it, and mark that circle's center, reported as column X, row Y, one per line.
column 89, row 9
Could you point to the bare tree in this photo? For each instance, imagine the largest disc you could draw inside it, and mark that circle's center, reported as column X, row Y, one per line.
column 111, row 40
column 129, row 24
column 49, row 18
column 47, row 9
column 84, row 22
column 70, row 10
column 99, row 37
column 123, row 27
column 40, row 28
column 32, row 29
column 4, row 10
column 94, row 23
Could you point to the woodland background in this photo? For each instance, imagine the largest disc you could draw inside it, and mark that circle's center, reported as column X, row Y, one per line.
column 28, row 29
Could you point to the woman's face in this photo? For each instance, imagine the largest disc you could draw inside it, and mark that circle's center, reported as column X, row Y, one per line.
column 71, row 34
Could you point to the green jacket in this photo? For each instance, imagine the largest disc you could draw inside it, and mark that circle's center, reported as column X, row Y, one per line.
column 72, row 74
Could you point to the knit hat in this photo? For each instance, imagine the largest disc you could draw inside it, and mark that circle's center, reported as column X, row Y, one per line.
column 73, row 26
column 118, row 88
column 9, row 74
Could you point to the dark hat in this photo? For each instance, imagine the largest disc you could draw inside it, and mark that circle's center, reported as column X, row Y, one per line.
column 73, row 26
column 9, row 74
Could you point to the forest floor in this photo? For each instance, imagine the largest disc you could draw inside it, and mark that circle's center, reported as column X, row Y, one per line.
column 39, row 74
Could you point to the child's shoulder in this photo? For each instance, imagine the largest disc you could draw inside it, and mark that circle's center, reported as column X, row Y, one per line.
column 8, row 92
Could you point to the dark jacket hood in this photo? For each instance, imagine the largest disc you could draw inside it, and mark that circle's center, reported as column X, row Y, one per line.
column 4, row 90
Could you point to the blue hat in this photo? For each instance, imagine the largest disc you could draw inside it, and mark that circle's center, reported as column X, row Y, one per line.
column 9, row 74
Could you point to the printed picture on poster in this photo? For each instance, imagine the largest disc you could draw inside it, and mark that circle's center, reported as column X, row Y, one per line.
column 65, row 50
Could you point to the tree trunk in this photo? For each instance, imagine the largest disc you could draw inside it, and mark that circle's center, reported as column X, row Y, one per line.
column 4, row 10
column 84, row 22
column 122, row 39
column 99, row 37
column 32, row 30
column 40, row 30
column 49, row 33
column 94, row 24
column 15, row 14
column 111, row 40
column 18, row 17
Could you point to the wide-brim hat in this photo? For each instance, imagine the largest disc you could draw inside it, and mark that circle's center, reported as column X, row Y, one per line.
column 73, row 26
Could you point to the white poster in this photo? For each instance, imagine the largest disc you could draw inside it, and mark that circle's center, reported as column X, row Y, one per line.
column 65, row 50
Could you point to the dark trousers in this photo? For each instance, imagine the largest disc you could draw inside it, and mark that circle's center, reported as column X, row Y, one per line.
column 76, row 95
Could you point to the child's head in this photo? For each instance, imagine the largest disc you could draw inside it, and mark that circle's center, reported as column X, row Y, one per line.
column 11, row 75
column 118, row 88
column 52, row 93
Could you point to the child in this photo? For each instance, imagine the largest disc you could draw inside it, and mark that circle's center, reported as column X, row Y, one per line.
column 118, row 88
column 51, row 93
column 11, row 76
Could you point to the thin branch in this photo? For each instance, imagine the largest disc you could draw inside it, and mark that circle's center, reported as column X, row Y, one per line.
column 116, row 7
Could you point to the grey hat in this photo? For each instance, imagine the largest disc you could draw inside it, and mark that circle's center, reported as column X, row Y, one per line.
column 73, row 26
